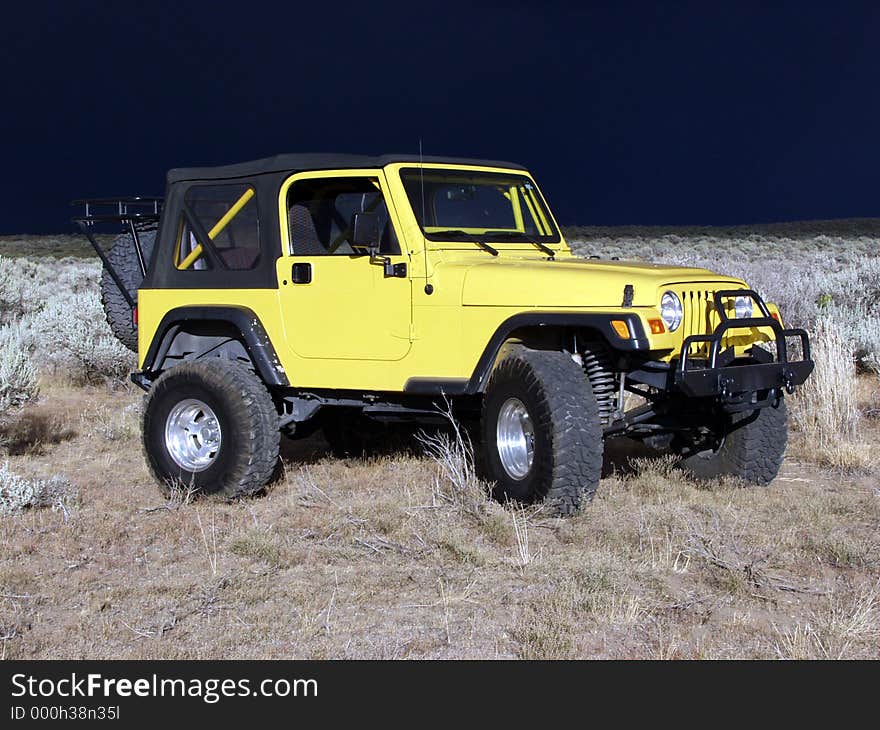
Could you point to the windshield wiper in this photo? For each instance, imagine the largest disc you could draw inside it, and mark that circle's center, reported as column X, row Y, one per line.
column 524, row 236
column 470, row 237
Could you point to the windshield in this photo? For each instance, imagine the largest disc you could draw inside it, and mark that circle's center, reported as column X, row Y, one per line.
column 461, row 204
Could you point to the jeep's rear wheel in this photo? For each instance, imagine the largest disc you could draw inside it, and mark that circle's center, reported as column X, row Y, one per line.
column 752, row 448
column 542, row 433
column 212, row 425
column 125, row 261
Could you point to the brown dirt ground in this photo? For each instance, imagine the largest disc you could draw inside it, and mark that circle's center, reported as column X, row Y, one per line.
column 375, row 559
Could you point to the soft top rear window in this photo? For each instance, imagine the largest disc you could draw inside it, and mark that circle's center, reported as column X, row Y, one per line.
column 228, row 216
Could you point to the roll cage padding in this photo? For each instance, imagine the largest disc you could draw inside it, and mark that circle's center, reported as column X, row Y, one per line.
column 246, row 323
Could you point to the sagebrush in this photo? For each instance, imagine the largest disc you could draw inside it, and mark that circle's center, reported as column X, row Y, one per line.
column 18, row 376
column 18, row 493
column 56, row 310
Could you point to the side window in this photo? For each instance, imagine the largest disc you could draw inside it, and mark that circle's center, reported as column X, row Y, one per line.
column 320, row 213
column 228, row 216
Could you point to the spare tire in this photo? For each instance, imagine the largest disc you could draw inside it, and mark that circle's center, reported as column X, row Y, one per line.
column 124, row 259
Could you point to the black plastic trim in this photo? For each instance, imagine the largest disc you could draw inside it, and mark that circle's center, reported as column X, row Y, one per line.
column 141, row 381
column 436, row 386
column 600, row 321
column 253, row 334
column 301, row 273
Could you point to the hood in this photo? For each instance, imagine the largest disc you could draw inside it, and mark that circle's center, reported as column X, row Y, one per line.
column 574, row 282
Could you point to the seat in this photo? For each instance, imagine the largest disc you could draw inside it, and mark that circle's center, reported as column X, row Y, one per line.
column 303, row 235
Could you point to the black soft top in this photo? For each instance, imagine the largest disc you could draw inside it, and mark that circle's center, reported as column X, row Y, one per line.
column 317, row 161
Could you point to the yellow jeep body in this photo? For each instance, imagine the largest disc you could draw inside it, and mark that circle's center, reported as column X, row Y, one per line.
column 353, row 328
column 357, row 294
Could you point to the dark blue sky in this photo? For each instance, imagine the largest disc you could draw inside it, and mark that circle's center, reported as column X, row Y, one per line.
column 666, row 113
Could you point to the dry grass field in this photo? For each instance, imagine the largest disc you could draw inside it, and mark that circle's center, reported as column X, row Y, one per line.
column 399, row 557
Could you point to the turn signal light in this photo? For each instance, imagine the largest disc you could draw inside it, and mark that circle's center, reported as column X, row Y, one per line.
column 657, row 327
column 775, row 316
column 620, row 328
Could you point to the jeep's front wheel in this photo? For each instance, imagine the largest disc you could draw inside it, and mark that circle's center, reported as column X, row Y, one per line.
column 752, row 448
column 541, row 430
column 211, row 425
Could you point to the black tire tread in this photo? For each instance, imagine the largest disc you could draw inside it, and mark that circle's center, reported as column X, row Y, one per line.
column 570, row 413
column 253, row 406
column 124, row 259
column 753, row 452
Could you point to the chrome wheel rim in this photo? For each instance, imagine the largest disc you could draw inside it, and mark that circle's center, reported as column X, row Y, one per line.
column 515, row 436
column 192, row 435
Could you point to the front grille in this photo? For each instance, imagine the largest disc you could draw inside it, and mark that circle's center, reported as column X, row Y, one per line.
column 700, row 317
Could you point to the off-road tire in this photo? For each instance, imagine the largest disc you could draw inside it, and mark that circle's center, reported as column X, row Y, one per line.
column 567, row 462
column 753, row 452
column 125, row 261
column 248, row 453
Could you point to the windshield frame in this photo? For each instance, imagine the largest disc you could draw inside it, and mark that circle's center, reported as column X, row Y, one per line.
column 495, row 236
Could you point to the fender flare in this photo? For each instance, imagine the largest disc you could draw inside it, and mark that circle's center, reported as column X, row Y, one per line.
column 599, row 321
column 253, row 335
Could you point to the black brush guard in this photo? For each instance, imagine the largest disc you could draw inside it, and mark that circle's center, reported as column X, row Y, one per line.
column 136, row 214
column 750, row 385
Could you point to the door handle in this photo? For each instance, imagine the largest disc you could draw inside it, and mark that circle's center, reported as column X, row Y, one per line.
column 301, row 273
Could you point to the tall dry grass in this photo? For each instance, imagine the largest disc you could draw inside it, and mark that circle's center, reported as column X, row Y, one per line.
column 825, row 410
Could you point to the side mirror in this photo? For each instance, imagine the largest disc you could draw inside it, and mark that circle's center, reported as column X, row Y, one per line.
column 365, row 231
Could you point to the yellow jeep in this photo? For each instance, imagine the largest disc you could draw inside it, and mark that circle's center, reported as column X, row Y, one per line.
column 345, row 292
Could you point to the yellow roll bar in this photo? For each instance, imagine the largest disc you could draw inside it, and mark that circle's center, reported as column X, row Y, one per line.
column 531, row 207
column 517, row 209
column 218, row 227
column 547, row 229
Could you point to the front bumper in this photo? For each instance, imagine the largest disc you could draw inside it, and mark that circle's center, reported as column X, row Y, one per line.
column 749, row 385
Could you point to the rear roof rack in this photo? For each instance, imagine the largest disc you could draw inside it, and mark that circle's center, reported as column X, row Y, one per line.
column 119, row 210
column 136, row 213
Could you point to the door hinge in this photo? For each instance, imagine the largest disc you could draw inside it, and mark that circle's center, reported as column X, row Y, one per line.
column 397, row 271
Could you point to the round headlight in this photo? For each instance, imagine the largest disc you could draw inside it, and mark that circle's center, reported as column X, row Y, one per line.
column 671, row 310
column 743, row 307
